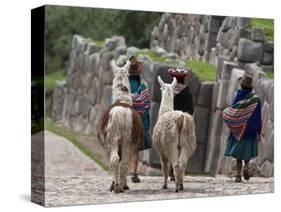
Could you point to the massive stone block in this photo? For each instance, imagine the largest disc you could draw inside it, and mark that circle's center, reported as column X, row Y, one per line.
column 268, row 46
column 213, row 145
column 92, row 48
column 122, row 49
column 214, row 24
column 267, row 58
column 249, row 51
column 132, row 51
column 221, row 59
column 58, row 98
column 93, row 120
column 94, row 62
column 222, row 94
column 267, row 169
column 264, row 89
column 67, row 108
column 243, row 22
column 201, row 119
column 159, row 70
column 79, row 124
column 211, row 41
column 194, row 86
column 205, row 94
column 228, row 23
column 233, row 84
column 258, row 34
column 106, row 96
column 196, row 163
column 215, row 96
column 244, row 33
column 154, row 109
column 227, row 68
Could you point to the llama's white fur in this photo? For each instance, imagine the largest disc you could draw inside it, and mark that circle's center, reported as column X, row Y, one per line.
column 121, row 83
column 173, row 135
column 116, row 136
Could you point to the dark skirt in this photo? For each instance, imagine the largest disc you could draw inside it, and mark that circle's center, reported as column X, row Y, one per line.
column 245, row 149
column 147, row 143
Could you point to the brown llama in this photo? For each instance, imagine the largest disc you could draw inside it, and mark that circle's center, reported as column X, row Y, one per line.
column 120, row 130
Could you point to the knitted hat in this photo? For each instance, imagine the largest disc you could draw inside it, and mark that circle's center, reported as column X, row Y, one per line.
column 246, row 80
column 180, row 73
column 136, row 67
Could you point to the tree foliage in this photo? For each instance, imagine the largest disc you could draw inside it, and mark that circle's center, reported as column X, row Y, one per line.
column 95, row 23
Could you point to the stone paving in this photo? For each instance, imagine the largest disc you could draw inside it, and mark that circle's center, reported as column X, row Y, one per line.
column 71, row 178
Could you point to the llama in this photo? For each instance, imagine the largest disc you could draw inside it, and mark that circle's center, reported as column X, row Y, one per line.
column 173, row 135
column 120, row 130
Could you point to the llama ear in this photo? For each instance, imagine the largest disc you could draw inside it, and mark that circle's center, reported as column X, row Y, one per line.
column 174, row 83
column 127, row 66
column 161, row 82
column 113, row 66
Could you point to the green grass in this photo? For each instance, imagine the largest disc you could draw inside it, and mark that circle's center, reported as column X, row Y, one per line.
column 73, row 137
column 52, row 78
column 270, row 75
column 266, row 24
column 204, row 70
column 152, row 55
column 98, row 42
column 37, row 126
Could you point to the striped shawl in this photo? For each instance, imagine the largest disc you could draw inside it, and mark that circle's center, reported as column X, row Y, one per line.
column 237, row 115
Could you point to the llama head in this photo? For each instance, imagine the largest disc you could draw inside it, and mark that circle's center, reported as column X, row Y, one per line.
column 167, row 89
column 121, row 90
column 122, row 71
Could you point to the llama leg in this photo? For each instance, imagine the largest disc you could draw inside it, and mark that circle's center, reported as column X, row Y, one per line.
column 165, row 170
column 114, row 166
column 124, row 167
column 182, row 166
column 175, row 163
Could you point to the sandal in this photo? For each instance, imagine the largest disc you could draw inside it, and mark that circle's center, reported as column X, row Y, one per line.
column 135, row 178
column 238, row 179
column 246, row 173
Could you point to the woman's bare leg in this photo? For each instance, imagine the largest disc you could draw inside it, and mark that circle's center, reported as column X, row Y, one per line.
column 238, row 168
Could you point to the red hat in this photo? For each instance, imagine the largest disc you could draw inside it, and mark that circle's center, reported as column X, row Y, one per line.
column 179, row 73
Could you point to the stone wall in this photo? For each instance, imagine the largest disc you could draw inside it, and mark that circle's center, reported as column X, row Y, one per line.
column 226, row 42
column 223, row 93
column 202, row 100
column 79, row 101
column 204, row 37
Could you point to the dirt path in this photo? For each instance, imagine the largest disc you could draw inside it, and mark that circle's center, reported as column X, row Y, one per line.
column 72, row 178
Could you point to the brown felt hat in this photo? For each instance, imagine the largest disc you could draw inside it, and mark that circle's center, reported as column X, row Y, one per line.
column 136, row 67
column 246, row 80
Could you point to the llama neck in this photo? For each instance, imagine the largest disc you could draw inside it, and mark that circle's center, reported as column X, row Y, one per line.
column 167, row 105
column 120, row 96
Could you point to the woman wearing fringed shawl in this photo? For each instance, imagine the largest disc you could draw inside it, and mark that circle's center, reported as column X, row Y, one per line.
column 141, row 104
column 243, row 118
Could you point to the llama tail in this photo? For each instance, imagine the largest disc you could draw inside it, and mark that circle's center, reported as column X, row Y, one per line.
column 188, row 133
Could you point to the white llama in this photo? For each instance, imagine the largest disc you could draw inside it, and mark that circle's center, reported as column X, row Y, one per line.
column 173, row 135
column 120, row 129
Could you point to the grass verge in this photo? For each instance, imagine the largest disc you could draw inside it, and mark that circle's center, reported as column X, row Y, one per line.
column 204, row 70
column 52, row 78
column 73, row 137
column 266, row 24
column 270, row 75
